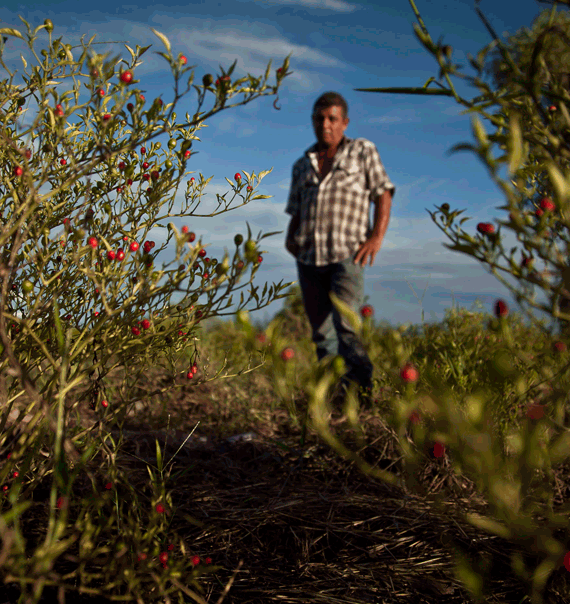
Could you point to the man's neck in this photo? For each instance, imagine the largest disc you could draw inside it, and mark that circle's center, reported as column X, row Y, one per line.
column 329, row 152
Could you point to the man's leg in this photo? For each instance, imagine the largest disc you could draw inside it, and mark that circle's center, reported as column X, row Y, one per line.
column 347, row 282
column 315, row 285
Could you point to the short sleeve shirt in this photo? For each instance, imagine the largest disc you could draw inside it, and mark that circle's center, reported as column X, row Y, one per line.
column 334, row 212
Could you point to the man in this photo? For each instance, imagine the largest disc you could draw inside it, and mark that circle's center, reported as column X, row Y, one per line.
column 330, row 236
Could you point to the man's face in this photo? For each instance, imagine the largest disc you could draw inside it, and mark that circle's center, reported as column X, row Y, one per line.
column 329, row 126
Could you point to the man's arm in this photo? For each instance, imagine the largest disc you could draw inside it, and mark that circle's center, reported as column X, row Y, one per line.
column 290, row 245
column 382, row 207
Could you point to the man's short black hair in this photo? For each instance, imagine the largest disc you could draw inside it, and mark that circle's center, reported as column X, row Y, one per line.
column 330, row 99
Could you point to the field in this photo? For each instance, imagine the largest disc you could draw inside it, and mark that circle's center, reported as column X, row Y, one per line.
column 292, row 522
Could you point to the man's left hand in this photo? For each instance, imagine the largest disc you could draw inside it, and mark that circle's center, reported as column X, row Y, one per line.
column 369, row 248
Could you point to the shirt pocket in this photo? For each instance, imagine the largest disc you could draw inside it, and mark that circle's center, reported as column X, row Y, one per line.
column 351, row 177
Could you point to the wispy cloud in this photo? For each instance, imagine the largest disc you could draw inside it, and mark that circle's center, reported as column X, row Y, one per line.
column 333, row 5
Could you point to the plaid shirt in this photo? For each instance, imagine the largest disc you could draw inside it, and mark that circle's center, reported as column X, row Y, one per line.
column 335, row 213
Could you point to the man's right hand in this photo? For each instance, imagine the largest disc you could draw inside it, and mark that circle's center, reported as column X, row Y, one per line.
column 292, row 247
column 290, row 244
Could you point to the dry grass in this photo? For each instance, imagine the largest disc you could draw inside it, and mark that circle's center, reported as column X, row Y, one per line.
column 305, row 525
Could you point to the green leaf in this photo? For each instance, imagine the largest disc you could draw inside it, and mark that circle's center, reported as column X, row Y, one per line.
column 163, row 54
column 262, row 174
column 232, row 68
column 347, row 313
column 475, row 64
column 141, row 51
column 11, row 32
column 461, row 147
column 151, row 474
column 479, row 131
column 541, row 574
column 424, row 91
column 24, row 22
column 470, row 578
column 286, row 63
column 131, row 51
column 422, row 36
column 58, row 327
column 270, row 234
column 560, row 450
column 464, row 249
column 514, row 144
column 16, row 510
column 51, row 118
column 158, row 456
column 267, row 70
column 559, row 183
column 162, row 38
column 489, row 525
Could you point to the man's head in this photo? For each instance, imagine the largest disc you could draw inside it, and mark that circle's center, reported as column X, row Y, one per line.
column 330, row 119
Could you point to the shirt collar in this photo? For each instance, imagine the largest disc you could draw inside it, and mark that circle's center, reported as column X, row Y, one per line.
column 315, row 148
column 312, row 154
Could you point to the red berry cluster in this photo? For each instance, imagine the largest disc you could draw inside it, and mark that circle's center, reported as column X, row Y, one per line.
column 409, row 373
column 438, row 449
column 546, row 204
column 126, row 77
column 501, row 308
column 485, row 227
column 224, row 79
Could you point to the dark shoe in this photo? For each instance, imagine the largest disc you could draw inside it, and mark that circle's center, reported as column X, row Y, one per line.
column 364, row 393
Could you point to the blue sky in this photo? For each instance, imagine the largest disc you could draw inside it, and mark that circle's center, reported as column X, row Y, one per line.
column 336, row 45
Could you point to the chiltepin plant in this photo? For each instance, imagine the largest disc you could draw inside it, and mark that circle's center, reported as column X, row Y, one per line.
column 85, row 290
column 510, row 464
column 534, row 148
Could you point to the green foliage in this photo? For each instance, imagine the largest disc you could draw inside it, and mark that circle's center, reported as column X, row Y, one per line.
column 85, row 291
column 473, row 381
column 521, row 45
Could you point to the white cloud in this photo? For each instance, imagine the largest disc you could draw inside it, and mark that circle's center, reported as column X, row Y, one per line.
column 335, row 5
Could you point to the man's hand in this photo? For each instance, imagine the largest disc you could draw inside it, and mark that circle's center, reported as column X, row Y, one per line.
column 369, row 248
column 290, row 244
column 291, row 247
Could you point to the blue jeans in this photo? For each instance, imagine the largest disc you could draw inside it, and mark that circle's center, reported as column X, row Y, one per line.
column 332, row 334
